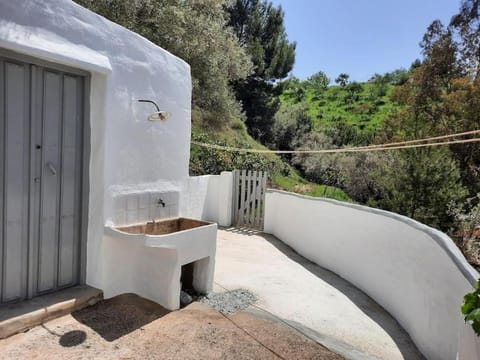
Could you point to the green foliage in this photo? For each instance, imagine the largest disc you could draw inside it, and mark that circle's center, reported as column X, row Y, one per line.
column 342, row 79
column 421, row 183
column 353, row 90
column 260, row 30
column 197, row 32
column 471, row 308
column 238, row 124
column 396, row 77
column 467, row 215
column 350, row 172
column 291, row 124
column 260, row 104
column 205, row 161
column 282, row 176
column 441, row 98
column 467, row 232
column 359, row 105
column 467, row 25
column 318, row 82
column 301, row 186
column 259, row 27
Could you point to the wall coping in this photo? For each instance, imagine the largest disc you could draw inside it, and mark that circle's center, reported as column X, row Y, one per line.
column 43, row 48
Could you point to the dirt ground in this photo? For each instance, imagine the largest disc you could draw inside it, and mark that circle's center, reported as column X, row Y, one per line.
column 130, row 327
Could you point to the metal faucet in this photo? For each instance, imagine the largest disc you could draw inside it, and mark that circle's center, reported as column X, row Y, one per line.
column 160, row 202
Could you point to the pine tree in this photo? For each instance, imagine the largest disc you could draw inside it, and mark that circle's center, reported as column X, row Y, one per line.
column 260, row 30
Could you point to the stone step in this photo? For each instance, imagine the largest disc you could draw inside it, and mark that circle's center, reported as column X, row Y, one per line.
column 18, row 317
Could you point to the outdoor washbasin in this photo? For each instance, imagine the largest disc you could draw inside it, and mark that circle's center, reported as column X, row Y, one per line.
column 191, row 238
column 158, row 259
column 163, row 227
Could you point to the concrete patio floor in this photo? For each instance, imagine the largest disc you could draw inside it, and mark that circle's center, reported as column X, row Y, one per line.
column 300, row 305
column 130, row 327
column 315, row 301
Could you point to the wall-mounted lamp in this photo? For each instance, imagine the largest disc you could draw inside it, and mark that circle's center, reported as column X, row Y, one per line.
column 159, row 115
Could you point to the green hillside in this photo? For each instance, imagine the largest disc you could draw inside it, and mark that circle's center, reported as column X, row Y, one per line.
column 362, row 105
column 281, row 175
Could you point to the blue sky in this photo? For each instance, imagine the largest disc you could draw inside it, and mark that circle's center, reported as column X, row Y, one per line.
column 359, row 37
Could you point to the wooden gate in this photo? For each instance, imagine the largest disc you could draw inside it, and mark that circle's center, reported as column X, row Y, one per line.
column 249, row 198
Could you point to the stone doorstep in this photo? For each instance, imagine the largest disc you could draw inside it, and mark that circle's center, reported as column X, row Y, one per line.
column 24, row 315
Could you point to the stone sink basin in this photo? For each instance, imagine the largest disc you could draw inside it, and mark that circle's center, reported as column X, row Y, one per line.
column 149, row 259
column 163, row 227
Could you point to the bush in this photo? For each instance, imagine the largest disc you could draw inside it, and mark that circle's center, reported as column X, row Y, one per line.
column 421, row 184
column 237, row 124
column 208, row 161
column 471, row 308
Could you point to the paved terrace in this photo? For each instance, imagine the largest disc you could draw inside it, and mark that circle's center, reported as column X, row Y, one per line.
column 300, row 306
column 315, row 301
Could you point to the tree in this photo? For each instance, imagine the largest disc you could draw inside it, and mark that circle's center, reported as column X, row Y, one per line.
column 440, row 98
column 421, row 184
column 320, row 168
column 318, row 81
column 396, row 77
column 197, row 32
column 342, row 79
column 292, row 122
column 353, row 89
column 467, row 24
column 260, row 30
column 462, row 104
column 440, row 58
column 415, row 64
column 422, row 97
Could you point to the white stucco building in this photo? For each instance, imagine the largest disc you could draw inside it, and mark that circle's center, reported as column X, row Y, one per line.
column 79, row 157
column 79, row 153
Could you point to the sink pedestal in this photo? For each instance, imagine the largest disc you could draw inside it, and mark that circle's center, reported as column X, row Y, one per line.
column 147, row 259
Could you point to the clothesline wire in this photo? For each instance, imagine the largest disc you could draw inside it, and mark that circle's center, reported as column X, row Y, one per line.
column 409, row 144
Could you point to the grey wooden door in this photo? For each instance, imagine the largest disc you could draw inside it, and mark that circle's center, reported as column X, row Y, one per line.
column 41, row 127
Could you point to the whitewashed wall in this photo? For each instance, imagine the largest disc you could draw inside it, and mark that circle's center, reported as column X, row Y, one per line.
column 209, row 198
column 415, row 272
column 128, row 153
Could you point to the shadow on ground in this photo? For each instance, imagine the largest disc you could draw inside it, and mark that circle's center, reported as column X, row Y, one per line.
column 359, row 298
column 242, row 231
column 68, row 339
column 118, row 316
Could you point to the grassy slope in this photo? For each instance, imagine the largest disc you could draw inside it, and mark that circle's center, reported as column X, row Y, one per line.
column 366, row 111
column 281, row 175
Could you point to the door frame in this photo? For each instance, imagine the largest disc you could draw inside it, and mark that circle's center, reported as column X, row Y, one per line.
column 85, row 167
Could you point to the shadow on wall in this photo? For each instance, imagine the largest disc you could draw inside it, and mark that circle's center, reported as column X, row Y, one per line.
column 120, row 315
column 359, row 298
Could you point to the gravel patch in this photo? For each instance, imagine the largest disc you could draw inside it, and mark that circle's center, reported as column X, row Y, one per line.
column 230, row 302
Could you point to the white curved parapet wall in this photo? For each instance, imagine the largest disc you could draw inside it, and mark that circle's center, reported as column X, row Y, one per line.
column 415, row 272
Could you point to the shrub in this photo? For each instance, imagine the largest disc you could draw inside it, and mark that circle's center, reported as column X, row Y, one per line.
column 237, row 124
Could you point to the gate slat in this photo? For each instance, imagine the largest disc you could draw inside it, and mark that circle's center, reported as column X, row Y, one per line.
column 253, row 212
column 247, row 186
column 249, row 198
column 237, row 218
column 236, row 185
column 249, row 192
column 242, row 197
column 258, row 197
column 264, row 188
